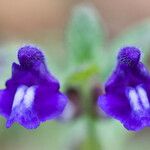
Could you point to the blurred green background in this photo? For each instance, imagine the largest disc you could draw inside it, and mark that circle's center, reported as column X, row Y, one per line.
column 80, row 40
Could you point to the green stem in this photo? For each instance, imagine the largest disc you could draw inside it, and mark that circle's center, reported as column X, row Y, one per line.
column 91, row 142
column 92, row 135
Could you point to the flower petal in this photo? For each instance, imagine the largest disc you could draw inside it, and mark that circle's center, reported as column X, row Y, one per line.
column 120, row 109
column 6, row 100
column 49, row 105
column 25, row 116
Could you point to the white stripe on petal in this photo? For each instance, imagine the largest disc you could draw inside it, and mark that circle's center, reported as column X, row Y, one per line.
column 20, row 92
column 134, row 99
column 29, row 96
column 143, row 97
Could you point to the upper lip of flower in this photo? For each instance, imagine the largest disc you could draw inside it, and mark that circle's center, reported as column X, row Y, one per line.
column 129, row 56
column 29, row 56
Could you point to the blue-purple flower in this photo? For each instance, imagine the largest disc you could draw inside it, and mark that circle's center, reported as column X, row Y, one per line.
column 32, row 94
column 127, row 91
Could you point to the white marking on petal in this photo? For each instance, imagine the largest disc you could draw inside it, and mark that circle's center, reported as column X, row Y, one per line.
column 143, row 97
column 19, row 95
column 134, row 99
column 29, row 96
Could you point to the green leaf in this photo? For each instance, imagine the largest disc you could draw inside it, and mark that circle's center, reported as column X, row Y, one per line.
column 85, row 35
column 82, row 75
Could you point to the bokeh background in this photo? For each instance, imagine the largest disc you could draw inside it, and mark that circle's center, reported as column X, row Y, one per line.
column 45, row 23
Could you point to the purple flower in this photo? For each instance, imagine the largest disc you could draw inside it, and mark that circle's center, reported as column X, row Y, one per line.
column 32, row 94
column 127, row 91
